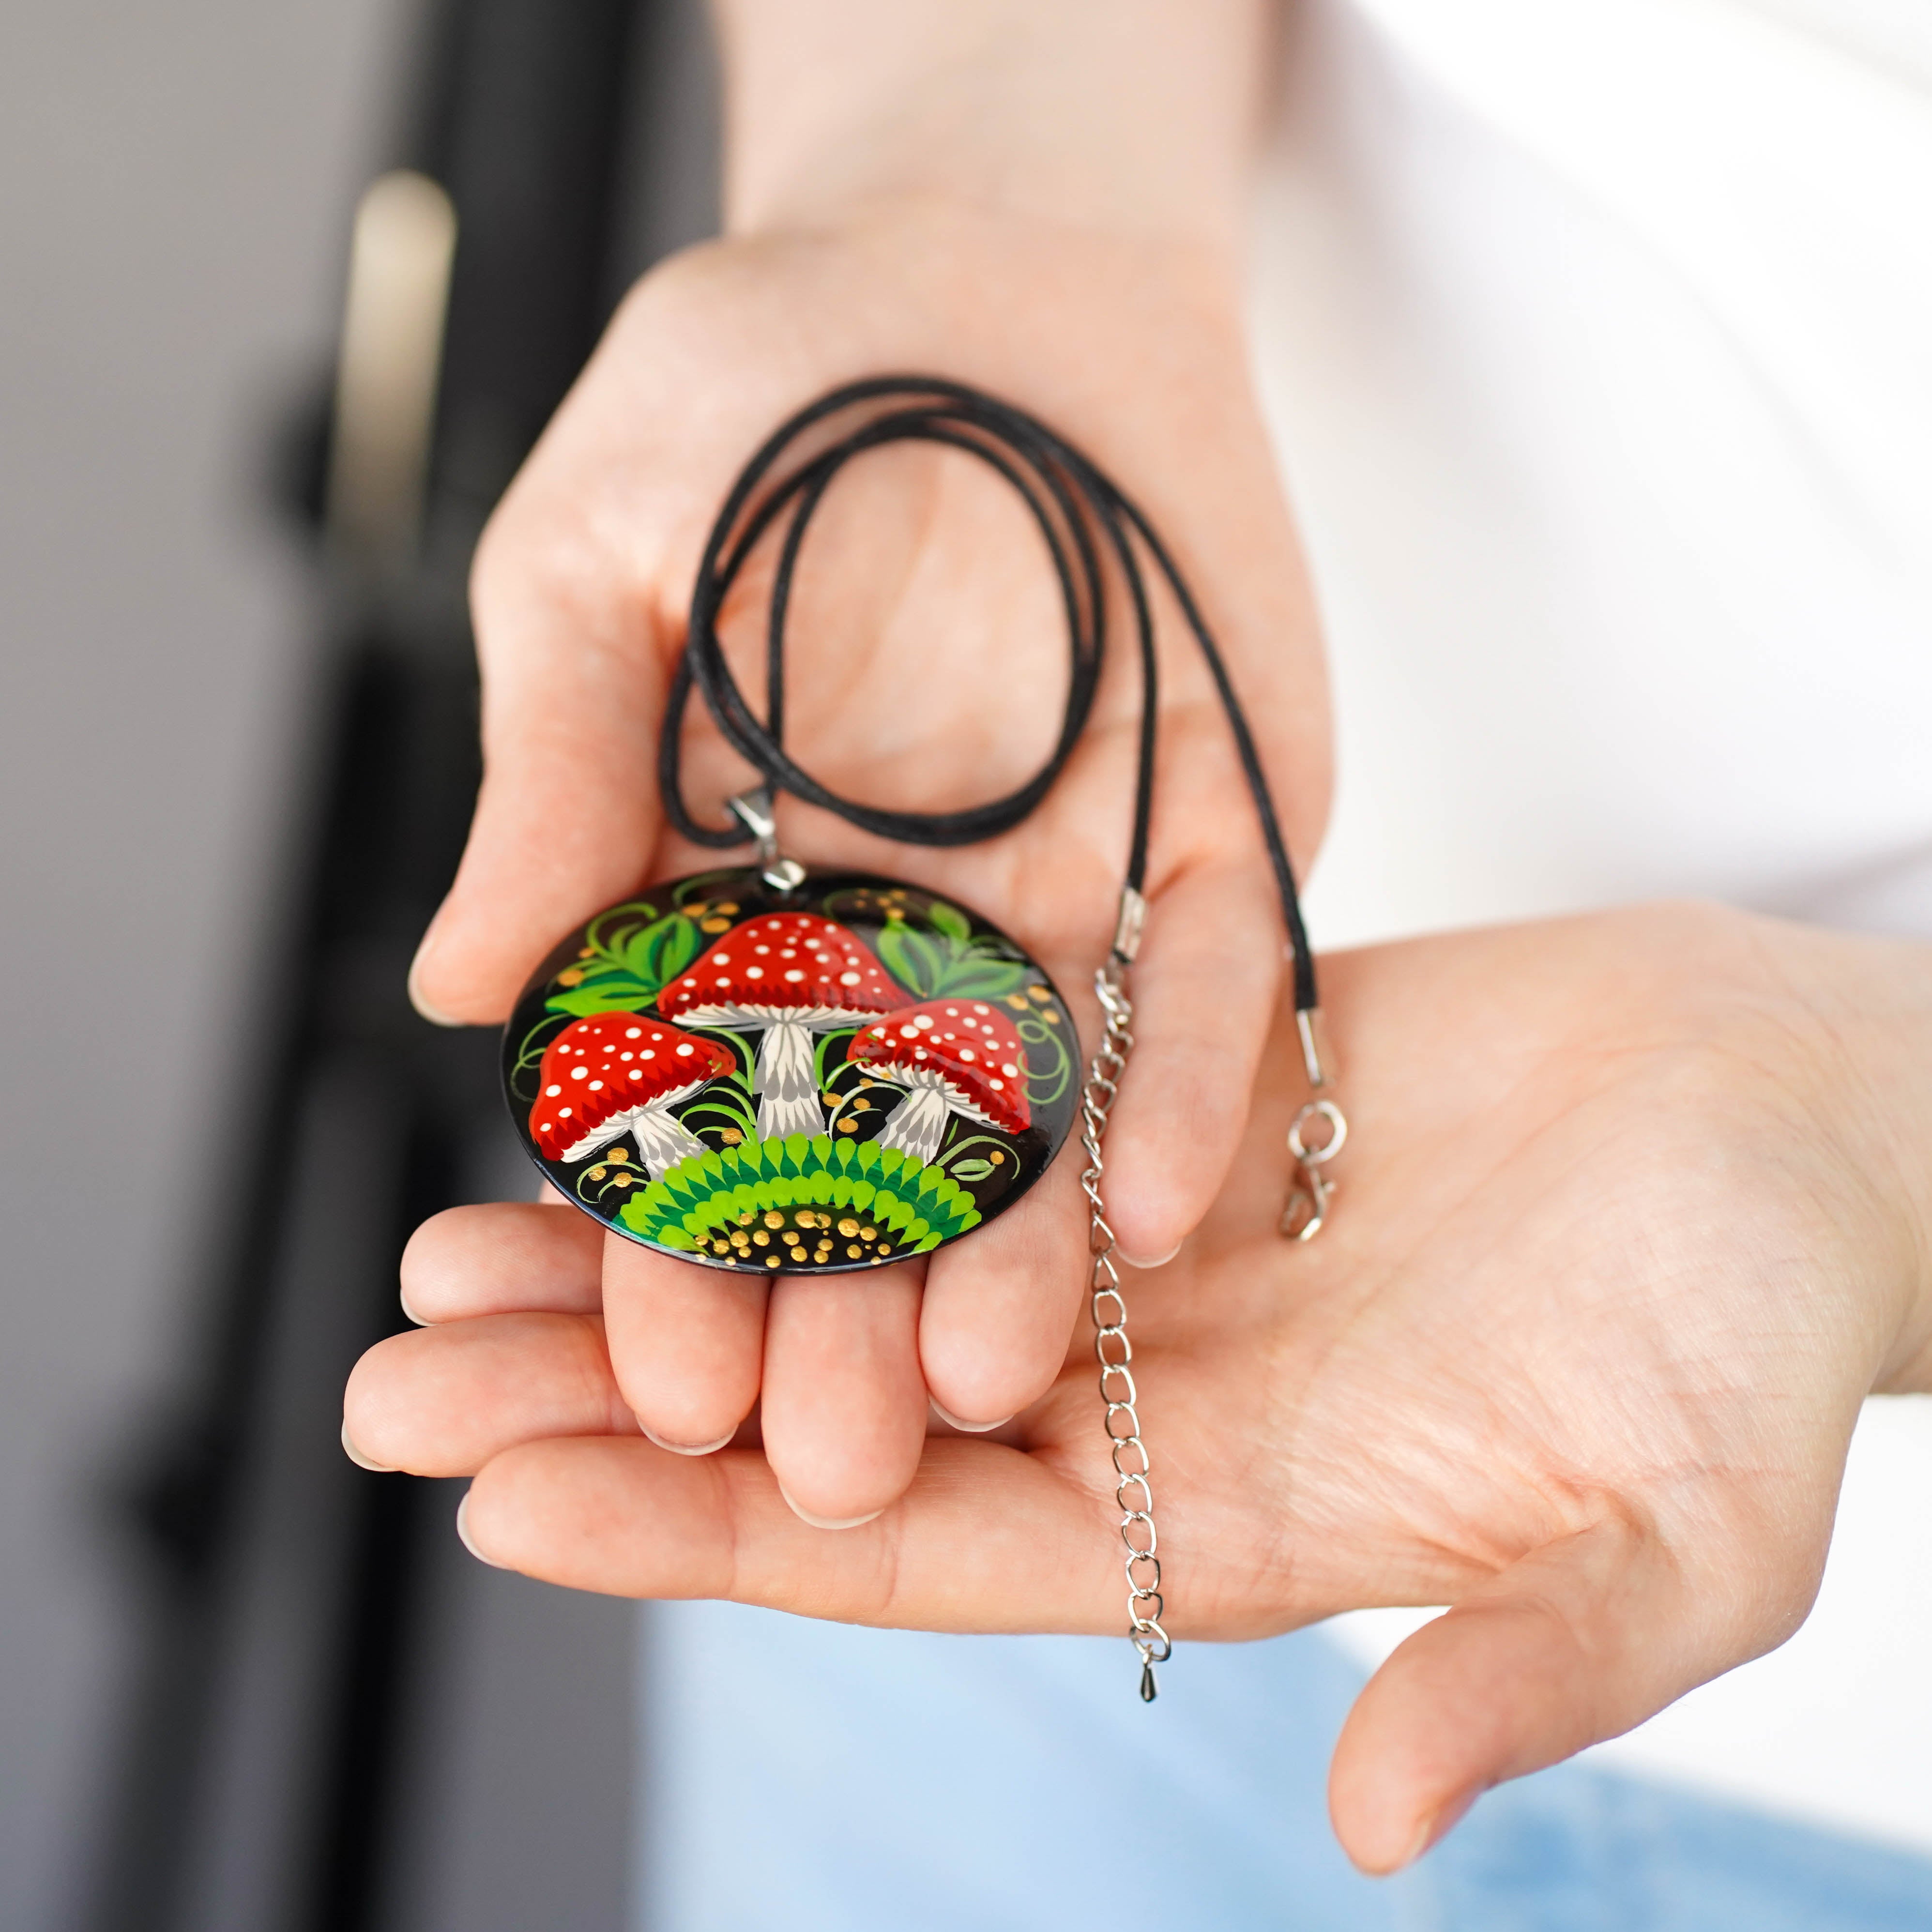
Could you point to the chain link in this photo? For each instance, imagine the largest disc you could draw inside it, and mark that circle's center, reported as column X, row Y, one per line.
column 1134, row 1492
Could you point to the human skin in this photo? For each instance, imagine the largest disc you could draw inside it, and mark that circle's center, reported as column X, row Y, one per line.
column 1635, row 1214
column 1046, row 202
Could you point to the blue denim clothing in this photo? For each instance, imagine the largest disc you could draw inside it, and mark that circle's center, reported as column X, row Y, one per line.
column 809, row 1777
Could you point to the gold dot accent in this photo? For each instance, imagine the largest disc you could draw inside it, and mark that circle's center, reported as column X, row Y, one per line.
column 763, row 1240
column 773, row 1219
column 848, row 1227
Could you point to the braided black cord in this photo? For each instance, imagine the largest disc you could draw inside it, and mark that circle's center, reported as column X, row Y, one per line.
column 1070, row 500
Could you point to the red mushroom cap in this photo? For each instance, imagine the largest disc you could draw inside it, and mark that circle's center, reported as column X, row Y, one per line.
column 777, row 963
column 610, row 1066
column 972, row 1049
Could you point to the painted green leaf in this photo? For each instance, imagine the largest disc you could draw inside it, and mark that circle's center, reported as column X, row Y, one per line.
column 608, row 993
column 912, row 959
column 662, row 950
column 950, row 920
column 975, row 977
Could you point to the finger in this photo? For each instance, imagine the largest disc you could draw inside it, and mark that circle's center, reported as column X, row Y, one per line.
column 685, row 1343
column 843, row 1404
column 1000, row 1306
column 625, row 1519
column 443, row 1402
column 1203, row 989
column 567, row 818
column 1576, row 1642
column 502, row 1256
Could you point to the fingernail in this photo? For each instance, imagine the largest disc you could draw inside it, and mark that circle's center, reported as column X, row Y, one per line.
column 467, row 1540
column 1437, row 1826
column 971, row 1428
column 688, row 1448
column 1159, row 1261
column 361, row 1461
column 828, row 1522
column 403, row 1296
column 434, row 1014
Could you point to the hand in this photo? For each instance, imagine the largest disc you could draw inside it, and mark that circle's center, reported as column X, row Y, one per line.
column 1634, row 1215
column 927, row 672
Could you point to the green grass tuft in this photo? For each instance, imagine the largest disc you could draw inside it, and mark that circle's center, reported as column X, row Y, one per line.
column 699, row 1200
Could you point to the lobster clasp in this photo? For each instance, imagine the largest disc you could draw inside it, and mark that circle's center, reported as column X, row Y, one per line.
column 1318, row 1134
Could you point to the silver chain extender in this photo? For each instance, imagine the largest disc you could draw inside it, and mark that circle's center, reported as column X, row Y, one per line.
column 1301, row 1220
column 1132, row 1491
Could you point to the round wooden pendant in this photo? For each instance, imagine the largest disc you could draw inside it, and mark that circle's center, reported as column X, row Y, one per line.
column 802, row 1082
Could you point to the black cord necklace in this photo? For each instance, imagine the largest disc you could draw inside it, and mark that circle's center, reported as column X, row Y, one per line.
column 779, row 1070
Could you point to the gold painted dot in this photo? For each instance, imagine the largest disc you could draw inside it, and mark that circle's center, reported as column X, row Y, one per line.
column 852, row 1251
column 597, row 1174
column 720, row 1247
column 617, row 1157
column 868, row 1233
column 848, row 1227
column 996, row 1156
column 885, row 1247
column 731, row 1137
column 771, row 1261
column 744, row 1219
column 848, row 1127
column 714, row 926
column 763, row 1240
column 773, row 1219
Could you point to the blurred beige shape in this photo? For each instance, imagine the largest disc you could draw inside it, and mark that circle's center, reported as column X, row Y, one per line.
column 399, row 269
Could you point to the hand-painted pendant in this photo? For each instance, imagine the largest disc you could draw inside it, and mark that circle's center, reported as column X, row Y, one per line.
column 804, row 1081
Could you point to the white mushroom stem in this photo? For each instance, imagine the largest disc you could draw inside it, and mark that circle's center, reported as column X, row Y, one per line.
column 918, row 1123
column 784, row 1079
column 662, row 1139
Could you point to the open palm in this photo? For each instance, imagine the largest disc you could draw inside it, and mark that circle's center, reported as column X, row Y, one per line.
column 1623, row 1247
column 927, row 672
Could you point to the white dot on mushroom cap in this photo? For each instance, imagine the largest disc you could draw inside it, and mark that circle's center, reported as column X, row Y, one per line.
column 848, row 979
column 645, row 1053
column 636, row 1073
column 563, row 1113
column 578, row 1072
column 794, row 974
column 751, row 973
column 763, row 952
column 686, row 1048
column 691, row 982
column 983, row 1009
column 908, row 1033
column 553, row 1092
column 637, row 1033
column 878, row 1032
column 596, row 1086
column 997, row 1085
column 1011, row 1072
column 924, row 1020
column 919, row 1053
column 966, row 1054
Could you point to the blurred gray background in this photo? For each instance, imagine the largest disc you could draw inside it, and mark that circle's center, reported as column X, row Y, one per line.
column 176, row 185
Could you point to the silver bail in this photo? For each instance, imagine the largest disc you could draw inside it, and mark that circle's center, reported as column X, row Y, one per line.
column 753, row 810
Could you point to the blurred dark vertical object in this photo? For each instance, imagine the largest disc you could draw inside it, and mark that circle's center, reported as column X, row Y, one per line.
column 280, row 1728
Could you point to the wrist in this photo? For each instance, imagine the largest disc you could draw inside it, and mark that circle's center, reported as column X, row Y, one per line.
column 1135, row 118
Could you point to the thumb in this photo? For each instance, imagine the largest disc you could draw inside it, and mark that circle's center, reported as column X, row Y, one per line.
column 574, row 672
column 1576, row 1642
